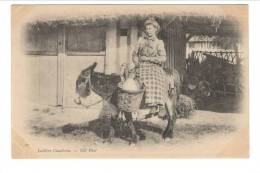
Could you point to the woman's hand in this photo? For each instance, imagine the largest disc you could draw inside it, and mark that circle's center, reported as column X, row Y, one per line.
column 150, row 59
column 155, row 59
column 144, row 58
column 135, row 60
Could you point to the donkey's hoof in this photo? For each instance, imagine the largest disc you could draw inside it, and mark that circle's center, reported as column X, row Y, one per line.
column 133, row 140
column 167, row 135
column 108, row 141
column 132, row 144
column 77, row 101
column 142, row 137
column 167, row 139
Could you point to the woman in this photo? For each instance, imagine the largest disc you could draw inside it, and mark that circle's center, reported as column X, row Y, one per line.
column 148, row 56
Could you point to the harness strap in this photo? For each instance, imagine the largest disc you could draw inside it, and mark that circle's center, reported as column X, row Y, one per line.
column 85, row 77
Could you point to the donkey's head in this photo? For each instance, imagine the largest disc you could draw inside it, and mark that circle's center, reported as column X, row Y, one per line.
column 83, row 81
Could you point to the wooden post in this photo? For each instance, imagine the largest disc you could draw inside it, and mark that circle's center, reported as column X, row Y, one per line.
column 132, row 37
column 178, row 46
column 60, row 64
column 111, row 61
column 175, row 40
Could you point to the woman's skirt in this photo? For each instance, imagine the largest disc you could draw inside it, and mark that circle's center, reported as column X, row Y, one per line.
column 156, row 83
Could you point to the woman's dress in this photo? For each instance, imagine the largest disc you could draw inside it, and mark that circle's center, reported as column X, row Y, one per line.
column 148, row 55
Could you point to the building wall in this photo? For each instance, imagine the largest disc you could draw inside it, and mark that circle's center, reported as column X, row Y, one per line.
column 53, row 76
column 43, row 82
column 43, row 79
column 120, row 42
column 53, row 73
column 111, row 61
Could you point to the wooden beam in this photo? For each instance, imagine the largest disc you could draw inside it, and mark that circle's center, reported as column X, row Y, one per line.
column 210, row 30
column 60, row 70
column 188, row 37
column 111, row 61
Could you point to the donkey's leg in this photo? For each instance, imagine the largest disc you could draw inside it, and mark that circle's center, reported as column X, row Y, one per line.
column 111, row 135
column 110, row 121
column 171, row 118
column 130, row 125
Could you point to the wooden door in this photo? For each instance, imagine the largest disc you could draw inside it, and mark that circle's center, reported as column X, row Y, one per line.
column 41, row 50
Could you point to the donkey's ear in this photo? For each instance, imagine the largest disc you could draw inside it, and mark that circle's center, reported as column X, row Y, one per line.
column 94, row 66
column 89, row 69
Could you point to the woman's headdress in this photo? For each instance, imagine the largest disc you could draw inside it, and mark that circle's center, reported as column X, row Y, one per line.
column 152, row 21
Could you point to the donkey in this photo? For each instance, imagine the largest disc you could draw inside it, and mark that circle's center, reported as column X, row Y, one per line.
column 106, row 86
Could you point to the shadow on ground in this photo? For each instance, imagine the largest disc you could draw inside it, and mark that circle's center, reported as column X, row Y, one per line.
column 227, row 104
column 98, row 130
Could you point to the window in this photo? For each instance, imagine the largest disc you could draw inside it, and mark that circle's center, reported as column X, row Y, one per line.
column 83, row 40
column 41, row 39
column 123, row 32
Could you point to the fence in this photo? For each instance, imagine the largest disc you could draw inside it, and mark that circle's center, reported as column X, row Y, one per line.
column 222, row 69
column 231, row 57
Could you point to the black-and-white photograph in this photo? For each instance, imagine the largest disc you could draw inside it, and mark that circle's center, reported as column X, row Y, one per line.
column 130, row 81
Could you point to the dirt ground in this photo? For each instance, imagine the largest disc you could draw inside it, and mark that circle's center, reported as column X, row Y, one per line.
column 84, row 126
column 77, row 128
